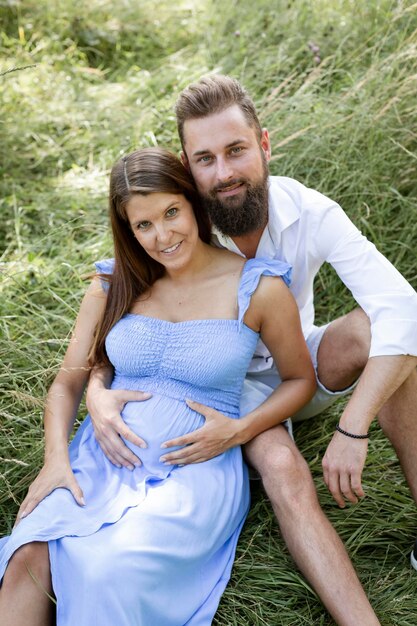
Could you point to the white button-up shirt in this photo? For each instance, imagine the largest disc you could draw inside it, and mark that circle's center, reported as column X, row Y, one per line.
column 306, row 229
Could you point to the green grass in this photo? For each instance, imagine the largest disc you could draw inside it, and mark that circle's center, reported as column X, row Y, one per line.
column 104, row 81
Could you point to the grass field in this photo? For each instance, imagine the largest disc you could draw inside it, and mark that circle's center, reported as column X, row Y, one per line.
column 335, row 81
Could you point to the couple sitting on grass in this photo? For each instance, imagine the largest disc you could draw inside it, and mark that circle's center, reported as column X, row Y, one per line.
column 200, row 338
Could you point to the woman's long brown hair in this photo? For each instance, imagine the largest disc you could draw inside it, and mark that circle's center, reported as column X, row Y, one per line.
column 142, row 172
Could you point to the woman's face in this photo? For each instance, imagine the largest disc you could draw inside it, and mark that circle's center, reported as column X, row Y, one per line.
column 165, row 226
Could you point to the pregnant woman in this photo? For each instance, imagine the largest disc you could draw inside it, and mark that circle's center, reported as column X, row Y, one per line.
column 179, row 320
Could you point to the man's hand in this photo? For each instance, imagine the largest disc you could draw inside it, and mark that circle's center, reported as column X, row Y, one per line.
column 342, row 468
column 105, row 407
column 345, row 457
column 54, row 474
column 218, row 434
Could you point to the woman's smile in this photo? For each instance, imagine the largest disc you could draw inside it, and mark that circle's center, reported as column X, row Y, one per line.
column 172, row 249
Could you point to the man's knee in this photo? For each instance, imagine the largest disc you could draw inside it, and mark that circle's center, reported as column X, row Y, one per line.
column 344, row 350
column 263, row 449
column 359, row 337
column 353, row 337
column 285, row 474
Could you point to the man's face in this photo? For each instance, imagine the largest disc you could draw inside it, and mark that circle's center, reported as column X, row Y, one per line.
column 228, row 162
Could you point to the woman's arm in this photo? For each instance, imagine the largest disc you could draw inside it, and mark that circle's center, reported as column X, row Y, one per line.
column 62, row 403
column 273, row 312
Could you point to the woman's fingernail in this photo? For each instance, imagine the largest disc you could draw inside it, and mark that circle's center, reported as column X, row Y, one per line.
column 162, row 459
column 82, row 500
column 164, row 445
column 23, row 514
column 147, row 395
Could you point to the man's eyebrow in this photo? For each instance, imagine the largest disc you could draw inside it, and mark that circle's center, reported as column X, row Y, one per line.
column 229, row 145
column 235, row 143
column 200, row 152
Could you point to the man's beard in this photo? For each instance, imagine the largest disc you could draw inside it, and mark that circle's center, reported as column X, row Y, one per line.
column 235, row 217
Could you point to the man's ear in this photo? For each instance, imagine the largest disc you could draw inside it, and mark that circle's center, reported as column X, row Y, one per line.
column 184, row 160
column 266, row 144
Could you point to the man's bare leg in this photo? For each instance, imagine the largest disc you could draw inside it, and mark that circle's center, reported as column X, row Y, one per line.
column 342, row 355
column 398, row 420
column 315, row 546
column 26, row 584
column 311, row 539
column 344, row 350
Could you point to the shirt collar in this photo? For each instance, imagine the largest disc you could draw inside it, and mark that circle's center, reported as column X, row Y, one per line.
column 282, row 210
column 224, row 241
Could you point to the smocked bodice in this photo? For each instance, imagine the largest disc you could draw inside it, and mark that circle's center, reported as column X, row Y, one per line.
column 205, row 360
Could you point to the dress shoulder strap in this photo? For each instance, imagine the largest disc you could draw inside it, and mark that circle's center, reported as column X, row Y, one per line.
column 104, row 268
column 251, row 275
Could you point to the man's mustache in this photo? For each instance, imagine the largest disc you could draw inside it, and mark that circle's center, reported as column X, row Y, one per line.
column 230, row 183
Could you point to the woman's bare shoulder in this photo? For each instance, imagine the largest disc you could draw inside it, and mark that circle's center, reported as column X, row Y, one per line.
column 270, row 297
column 228, row 262
column 269, row 287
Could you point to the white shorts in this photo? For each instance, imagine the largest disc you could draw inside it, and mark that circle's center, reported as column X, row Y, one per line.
column 259, row 385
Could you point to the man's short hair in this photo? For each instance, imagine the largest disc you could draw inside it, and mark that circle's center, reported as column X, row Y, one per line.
column 213, row 94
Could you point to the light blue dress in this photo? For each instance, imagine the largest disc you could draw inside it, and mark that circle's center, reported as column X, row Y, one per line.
column 153, row 546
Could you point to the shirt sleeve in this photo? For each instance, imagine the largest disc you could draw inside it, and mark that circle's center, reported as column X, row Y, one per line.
column 383, row 293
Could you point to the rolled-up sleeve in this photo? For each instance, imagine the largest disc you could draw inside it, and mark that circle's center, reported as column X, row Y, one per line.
column 383, row 293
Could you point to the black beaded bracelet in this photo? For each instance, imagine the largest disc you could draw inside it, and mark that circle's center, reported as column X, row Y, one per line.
column 345, row 432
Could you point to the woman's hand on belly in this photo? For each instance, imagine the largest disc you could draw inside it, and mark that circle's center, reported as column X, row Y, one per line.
column 218, row 434
column 105, row 408
column 56, row 473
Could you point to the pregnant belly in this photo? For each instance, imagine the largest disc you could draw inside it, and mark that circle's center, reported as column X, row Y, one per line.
column 157, row 420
